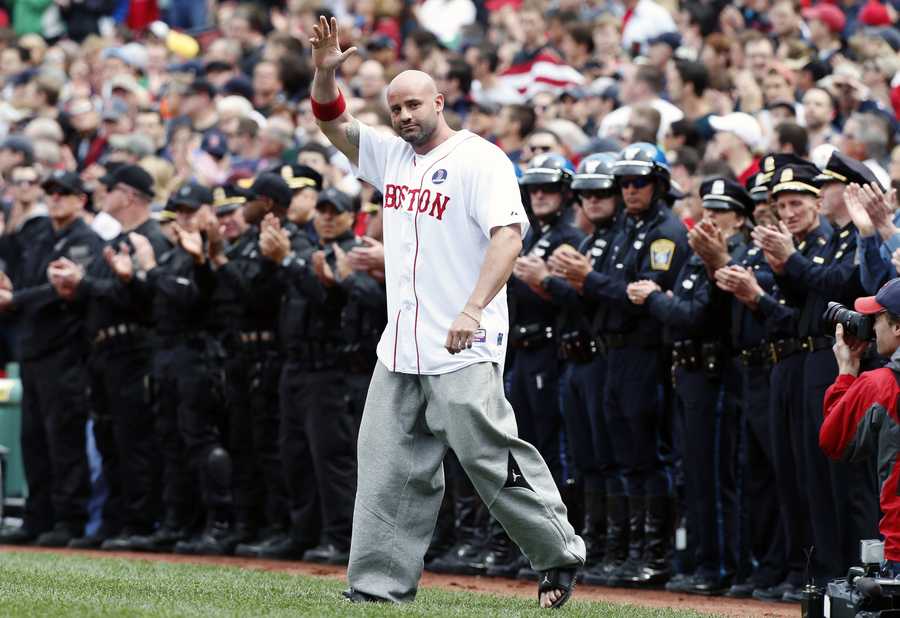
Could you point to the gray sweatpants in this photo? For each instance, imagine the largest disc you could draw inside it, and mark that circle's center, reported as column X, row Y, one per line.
column 408, row 423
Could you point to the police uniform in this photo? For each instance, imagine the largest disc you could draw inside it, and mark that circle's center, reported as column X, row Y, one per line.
column 189, row 381
column 243, row 317
column 534, row 377
column 332, row 341
column 651, row 245
column 118, row 329
column 54, row 377
column 696, row 320
column 533, row 381
column 831, row 275
column 580, row 327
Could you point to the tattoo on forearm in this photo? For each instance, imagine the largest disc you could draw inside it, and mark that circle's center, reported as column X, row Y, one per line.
column 352, row 133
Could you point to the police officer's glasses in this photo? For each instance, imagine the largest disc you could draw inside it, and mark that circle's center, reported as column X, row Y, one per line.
column 597, row 194
column 638, row 182
column 545, row 189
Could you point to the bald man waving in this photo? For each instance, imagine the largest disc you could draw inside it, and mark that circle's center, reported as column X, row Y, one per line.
column 453, row 227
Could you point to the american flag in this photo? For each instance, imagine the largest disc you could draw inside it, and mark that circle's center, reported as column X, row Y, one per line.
column 543, row 71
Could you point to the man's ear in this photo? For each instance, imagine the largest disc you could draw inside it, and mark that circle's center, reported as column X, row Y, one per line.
column 439, row 103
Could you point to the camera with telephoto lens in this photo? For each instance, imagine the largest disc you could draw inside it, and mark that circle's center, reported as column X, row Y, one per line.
column 860, row 327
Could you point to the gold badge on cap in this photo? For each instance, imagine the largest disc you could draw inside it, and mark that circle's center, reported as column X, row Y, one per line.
column 218, row 194
column 718, row 187
column 787, row 175
column 769, row 164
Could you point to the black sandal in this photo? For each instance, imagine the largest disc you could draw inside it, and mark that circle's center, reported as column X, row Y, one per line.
column 562, row 578
column 355, row 596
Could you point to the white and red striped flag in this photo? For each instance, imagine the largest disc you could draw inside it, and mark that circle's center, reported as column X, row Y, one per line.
column 544, row 71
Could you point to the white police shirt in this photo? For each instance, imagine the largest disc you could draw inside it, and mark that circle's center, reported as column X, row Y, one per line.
column 439, row 210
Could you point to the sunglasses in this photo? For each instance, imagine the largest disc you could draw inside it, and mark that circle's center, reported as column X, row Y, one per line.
column 545, row 189
column 598, row 194
column 30, row 182
column 638, row 182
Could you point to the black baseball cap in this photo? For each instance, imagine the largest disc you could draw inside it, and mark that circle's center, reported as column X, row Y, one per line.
column 273, row 187
column 201, row 86
column 70, row 181
column 109, row 178
column 133, row 176
column 340, row 200
column 191, row 195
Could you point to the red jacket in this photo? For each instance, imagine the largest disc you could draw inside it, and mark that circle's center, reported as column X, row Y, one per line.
column 861, row 420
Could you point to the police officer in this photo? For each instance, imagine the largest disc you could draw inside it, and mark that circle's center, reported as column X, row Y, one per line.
column 651, row 244
column 259, row 356
column 118, row 329
column 322, row 391
column 533, row 380
column 696, row 319
column 580, row 343
column 794, row 192
column 230, row 248
column 812, row 281
column 188, row 379
column 54, row 375
column 284, row 251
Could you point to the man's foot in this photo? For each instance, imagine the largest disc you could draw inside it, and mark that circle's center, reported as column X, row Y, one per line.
column 355, row 596
column 555, row 586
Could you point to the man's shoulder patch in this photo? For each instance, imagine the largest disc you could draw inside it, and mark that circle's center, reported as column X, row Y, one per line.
column 662, row 251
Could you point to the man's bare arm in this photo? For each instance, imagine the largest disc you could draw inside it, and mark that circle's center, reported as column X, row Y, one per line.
column 505, row 245
column 342, row 131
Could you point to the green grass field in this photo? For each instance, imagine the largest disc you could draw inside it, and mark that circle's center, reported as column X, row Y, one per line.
column 63, row 585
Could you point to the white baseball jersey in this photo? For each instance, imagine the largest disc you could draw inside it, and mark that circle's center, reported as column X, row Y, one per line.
column 439, row 210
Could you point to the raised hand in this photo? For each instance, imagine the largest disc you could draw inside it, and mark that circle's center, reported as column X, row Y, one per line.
column 326, row 49
column 120, row 261
column 191, row 242
column 143, row 251
column 856, row 210
column 322, row 269
column 274, row 242
column 342, row 262
column 367, row 257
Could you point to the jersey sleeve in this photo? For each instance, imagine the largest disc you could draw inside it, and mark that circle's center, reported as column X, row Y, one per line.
column 373, row 155
column 494, row 197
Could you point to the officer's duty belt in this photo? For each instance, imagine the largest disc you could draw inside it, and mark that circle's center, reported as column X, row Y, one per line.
column 783, row 348
column 692, row 355
column 623, row 340
column 117, row 331
column 530, row 336
column 256, row 336
column 814, row 344
column 756, row 356
column 580, row 348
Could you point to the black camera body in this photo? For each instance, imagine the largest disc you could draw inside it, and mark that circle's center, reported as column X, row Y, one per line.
column 862, row 594
column 860, row 327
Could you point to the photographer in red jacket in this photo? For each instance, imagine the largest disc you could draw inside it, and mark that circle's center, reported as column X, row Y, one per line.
column 861, row 416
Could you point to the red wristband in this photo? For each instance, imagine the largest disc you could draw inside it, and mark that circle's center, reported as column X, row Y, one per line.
column 326, row 112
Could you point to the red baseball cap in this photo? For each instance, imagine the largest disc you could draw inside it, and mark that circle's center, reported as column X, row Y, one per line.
column 887, row 299
column 828, row 14
column 874, row 14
